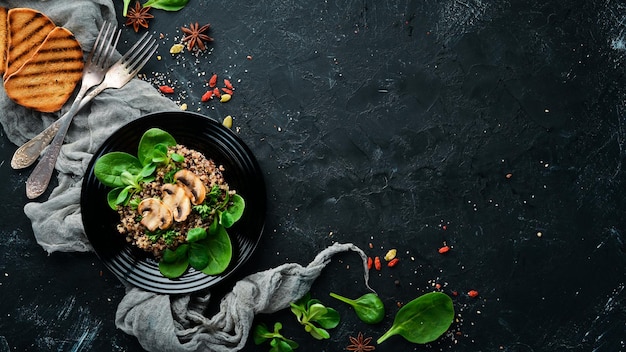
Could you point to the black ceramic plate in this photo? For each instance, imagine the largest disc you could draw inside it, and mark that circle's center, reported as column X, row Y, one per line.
column 134, row 266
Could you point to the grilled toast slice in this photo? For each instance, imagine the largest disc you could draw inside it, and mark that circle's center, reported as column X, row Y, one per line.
column 27, row 29
column 48, row 79
column 4, row 38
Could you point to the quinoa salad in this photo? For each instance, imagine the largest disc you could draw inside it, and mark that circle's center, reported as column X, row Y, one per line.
column 173, row 233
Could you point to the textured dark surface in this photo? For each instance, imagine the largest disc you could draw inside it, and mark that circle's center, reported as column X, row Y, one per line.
column 395, row 124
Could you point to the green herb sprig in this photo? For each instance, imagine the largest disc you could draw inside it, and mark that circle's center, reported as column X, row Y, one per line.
column 278, row 342
column 315, row 317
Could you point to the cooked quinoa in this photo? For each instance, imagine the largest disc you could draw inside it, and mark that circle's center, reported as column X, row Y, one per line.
column 156, row 242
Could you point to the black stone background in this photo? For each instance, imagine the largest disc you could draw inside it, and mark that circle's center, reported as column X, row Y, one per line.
column 393, row 123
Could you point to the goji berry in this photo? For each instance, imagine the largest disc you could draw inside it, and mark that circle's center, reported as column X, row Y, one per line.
column 216, row 92
column 213, row 81
column 472, row 293
column 166, row 89
column 444, row 249
column 370, row 261
column 393, row 262
column 228, row 84
column 377, row 264
column 227, row 91
column 207, row 96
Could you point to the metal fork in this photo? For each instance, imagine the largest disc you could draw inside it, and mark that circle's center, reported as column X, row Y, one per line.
column 117, row 76
column 93, row 73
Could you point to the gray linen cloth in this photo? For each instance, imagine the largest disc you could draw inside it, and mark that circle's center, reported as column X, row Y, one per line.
column 160, row 322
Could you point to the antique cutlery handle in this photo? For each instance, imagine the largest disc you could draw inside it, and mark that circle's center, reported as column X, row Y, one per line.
column 39, row 179
column 28, row 153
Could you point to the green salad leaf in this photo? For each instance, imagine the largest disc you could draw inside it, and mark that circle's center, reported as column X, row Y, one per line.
column 369, row 307
column 278, row 342
column 315, row 316
column 422, row 320
column 219, row 250
column 167, row 5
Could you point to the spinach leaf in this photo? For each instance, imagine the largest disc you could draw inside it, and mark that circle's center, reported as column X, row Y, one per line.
column 423, row 320
column 174, row 262
column 110, row 167
column 219, row 250
column 167, row 5
column 198, row 258
column 233, row 212
column 196, row 234
column 369, row 307
column 149, row 144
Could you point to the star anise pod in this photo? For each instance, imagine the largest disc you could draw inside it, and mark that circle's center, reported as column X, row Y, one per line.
column 138, row 16
column 195, row 36
column 360, row 344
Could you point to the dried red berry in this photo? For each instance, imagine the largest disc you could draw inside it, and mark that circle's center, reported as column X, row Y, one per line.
column 207, row 96
column 444, row 249
column 228, row 84
column 377, row 264
column 227, row 91
column 216, row 92
column 166, row 89
column 472, row 293
column 370, row 262
column 213, row 81
column 393, row 262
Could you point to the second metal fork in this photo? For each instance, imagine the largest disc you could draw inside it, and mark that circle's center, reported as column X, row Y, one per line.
column 120, row 73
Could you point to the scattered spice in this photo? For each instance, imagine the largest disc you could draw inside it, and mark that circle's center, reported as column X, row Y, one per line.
column 228, row 121
column 195, row 37
column 207, row 96
column 472, row 293
column 390, row 254
column 213, row 81
column 224, row 98
column 444, row 249
column 176, row 48
column 377, row 264
column 138, row 16
column 249, row 57
column 360, row 343
column 509, row 175
column 393, row 262
column 166, row 89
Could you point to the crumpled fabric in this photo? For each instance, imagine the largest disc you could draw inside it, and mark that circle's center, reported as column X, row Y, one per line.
column 159, row 322
column 177, row 323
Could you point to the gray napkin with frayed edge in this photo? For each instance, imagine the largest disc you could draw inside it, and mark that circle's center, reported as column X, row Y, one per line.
column 160, row 322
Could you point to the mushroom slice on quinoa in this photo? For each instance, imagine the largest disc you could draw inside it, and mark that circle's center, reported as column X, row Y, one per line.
column 177, row 198
column 193, row 183
column 155, row 214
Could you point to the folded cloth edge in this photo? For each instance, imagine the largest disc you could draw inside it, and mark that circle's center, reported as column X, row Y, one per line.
column 177, row 323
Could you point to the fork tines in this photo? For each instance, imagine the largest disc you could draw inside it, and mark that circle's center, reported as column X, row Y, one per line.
column 139, row 54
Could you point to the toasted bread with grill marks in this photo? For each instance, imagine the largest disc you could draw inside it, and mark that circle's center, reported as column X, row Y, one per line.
column 4, row 38
column 47, row 80
column 27, row 31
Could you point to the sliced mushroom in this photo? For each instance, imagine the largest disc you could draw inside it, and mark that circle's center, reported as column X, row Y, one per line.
column 193, row 183
column 177, row 198
column 155, row 214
